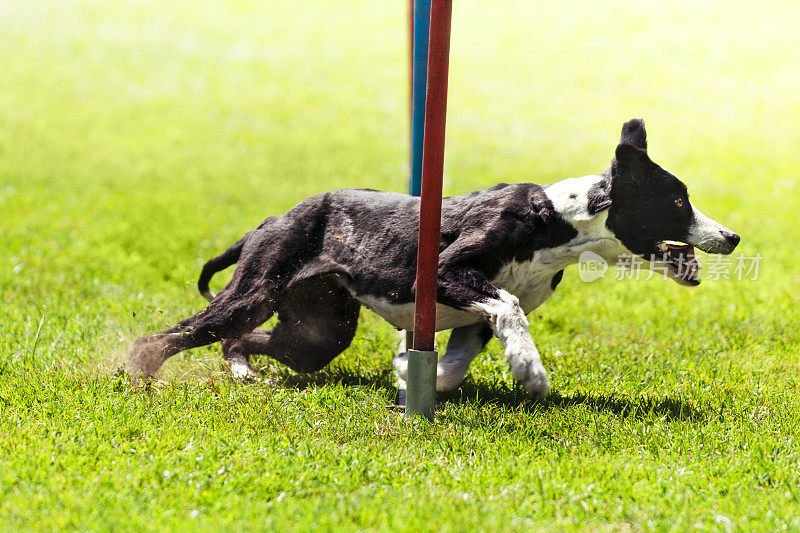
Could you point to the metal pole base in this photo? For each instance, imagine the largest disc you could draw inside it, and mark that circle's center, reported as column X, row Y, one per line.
column 421, row 384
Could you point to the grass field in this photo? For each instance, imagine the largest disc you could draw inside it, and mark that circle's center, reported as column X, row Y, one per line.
column 138, row 139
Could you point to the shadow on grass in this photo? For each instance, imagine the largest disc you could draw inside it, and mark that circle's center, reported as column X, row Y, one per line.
column 669, row 408
column 499, row 393
column 640, row 408
column 372, row 380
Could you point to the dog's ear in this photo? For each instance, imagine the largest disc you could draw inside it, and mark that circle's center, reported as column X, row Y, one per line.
column 628, row 155
column 628, row 165
column 633, row 133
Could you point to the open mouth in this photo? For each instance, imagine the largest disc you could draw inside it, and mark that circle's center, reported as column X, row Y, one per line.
column 679, row 257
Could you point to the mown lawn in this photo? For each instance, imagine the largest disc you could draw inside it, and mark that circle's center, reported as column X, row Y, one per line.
column 138, row 139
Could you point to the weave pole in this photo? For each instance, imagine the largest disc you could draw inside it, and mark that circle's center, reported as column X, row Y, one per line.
column 410, row 76
column 419, row 27
column 421, row 385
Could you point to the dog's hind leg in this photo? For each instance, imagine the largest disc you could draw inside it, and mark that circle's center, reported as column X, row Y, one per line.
column 400, row 361
column 251, row 297
column 317, row 321
column 269, row 260
column 230, row 314
column 236, row 353
column 464, row 345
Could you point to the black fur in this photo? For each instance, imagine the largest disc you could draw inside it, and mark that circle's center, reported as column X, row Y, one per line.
column 633, row 133
column 369, row 238
column 317, row 320
column 221, row 262
column 600, row 196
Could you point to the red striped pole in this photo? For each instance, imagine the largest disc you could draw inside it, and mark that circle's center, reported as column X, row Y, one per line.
column 432, row 169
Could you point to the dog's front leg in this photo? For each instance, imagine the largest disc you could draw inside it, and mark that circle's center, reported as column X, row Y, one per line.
column 465, row 343
column 468, row 289
column 508, row 321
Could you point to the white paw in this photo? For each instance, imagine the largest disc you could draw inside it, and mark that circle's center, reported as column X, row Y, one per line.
column 449, row 375
column 534, row 380
column 242, row 371
column 400, row 362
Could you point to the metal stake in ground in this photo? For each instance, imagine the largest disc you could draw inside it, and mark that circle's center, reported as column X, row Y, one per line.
column 421, row 391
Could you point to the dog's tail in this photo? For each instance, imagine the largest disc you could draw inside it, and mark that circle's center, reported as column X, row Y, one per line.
column 221, row 262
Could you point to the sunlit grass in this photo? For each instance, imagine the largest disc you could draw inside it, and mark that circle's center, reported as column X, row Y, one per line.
column 138, row 139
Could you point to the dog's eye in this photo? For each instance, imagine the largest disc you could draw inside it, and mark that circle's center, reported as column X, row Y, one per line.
column 679, row 202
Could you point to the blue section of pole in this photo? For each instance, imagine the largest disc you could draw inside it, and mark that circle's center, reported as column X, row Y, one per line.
column 422, row 23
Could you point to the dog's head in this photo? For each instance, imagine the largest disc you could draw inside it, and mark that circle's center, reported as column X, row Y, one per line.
column 651, row 214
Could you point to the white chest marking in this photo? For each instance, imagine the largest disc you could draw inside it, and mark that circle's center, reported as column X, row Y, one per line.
column 531, row 281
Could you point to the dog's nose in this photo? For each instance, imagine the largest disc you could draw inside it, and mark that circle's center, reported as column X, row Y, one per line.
column 732, row 238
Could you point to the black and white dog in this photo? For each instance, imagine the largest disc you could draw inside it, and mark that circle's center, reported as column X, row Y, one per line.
column 502, row 254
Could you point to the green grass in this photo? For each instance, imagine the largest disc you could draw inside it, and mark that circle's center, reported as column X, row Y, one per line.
column 138, row 139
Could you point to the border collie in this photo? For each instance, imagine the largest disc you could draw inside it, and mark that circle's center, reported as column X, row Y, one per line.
column 503, row 251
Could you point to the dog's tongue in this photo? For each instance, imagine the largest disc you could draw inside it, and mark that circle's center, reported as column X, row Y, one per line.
column 682, row 256
column 684, row 252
